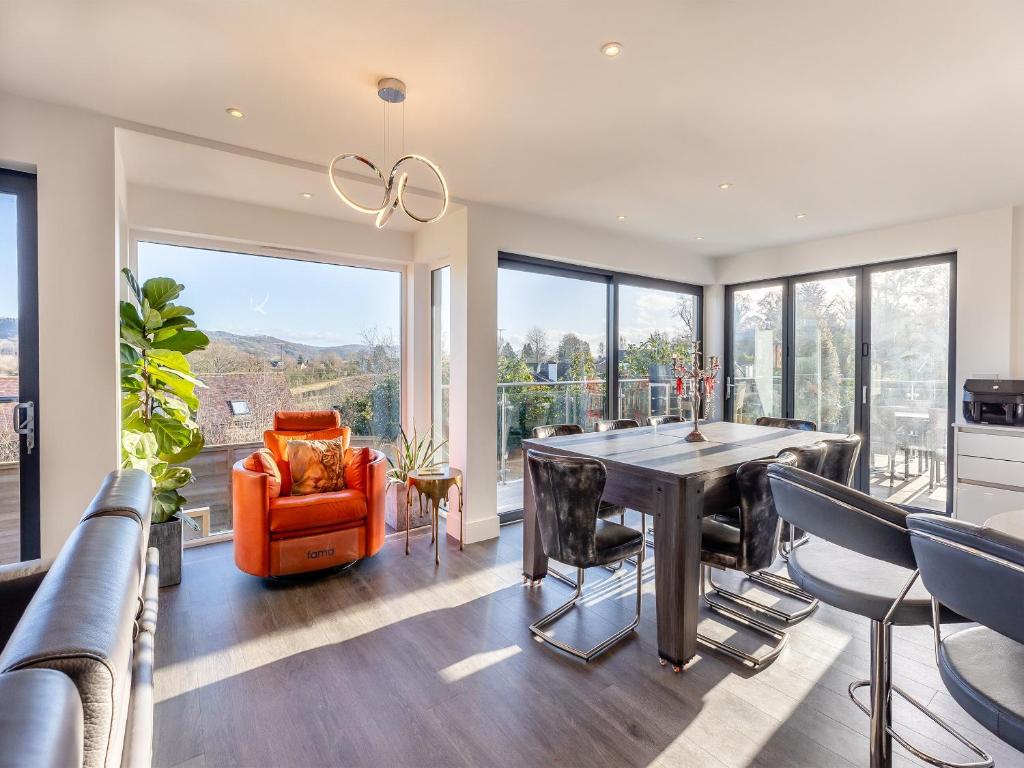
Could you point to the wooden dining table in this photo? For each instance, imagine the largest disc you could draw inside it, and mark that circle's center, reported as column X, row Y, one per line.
column 655, row 471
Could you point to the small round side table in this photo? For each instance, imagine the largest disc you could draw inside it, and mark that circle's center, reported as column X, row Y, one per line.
column 435, row 488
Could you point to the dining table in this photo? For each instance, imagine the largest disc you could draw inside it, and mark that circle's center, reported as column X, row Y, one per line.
column 654, row 470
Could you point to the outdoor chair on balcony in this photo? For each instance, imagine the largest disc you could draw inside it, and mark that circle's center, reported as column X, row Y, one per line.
column 278, row 533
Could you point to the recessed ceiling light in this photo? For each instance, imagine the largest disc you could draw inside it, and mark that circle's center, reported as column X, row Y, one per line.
column 724, row 185
column 611, row 49
column 307, row 195
column 620, row 217
column 801, row 215
column 235, row 112
column 699, row 237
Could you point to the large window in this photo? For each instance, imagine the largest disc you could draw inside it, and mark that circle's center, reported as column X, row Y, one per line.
column 284, row 335
column 556, row 362
column 863, row 350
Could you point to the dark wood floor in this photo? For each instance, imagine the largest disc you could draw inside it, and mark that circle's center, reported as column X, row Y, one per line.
column 399, row 663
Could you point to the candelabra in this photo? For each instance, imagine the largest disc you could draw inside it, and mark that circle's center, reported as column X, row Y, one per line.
column 696, row 383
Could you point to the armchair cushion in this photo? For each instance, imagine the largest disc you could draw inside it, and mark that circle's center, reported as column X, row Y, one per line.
column 277, row 444
column 263, row 461
column 316, row 466
column 304, row 513
column 356, row 462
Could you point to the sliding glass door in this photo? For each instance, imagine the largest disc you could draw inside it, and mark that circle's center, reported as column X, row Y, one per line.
column 754, row 378
column 865, row 350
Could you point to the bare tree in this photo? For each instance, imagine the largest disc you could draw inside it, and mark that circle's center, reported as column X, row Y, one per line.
column 537, row 339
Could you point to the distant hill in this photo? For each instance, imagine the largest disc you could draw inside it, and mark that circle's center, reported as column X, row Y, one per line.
column 8, row 327
column 271, row 348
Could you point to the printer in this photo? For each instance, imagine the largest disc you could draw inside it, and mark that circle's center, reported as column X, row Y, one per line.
column 994, row 401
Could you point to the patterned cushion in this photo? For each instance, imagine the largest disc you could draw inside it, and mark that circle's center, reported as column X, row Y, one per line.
column 277, row 442
column 263, row 461
column 317, row 466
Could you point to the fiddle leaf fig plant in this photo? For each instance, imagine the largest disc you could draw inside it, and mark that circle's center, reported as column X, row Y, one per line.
column 159, row 405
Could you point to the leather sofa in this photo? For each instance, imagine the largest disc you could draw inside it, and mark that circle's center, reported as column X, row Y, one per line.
column 277, row 534
column 76, row 670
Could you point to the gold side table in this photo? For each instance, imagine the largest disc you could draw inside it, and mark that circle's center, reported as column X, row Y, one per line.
column 435, row 488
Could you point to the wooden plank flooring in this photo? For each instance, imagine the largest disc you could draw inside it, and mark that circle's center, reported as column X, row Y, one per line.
column 399, row 663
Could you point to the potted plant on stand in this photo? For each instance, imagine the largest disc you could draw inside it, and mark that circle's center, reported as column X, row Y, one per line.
column 409, row 456
column 159, row 432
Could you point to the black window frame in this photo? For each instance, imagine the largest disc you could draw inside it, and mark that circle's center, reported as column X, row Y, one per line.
column 862, row 373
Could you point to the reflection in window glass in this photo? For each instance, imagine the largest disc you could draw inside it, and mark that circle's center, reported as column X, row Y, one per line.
column 756, row 375
column 654, row 325
column 284, row 335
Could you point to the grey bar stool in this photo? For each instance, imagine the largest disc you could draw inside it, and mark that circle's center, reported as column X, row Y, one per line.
column 607, row 425
column 979, row 573
column 605, row 511
column 567, row 494
column 862, row 562
column 746, row 545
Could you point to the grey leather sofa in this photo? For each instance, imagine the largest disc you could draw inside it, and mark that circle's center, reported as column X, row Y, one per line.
column 76, row 670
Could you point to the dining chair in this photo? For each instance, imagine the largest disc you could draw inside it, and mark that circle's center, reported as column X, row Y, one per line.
column 607, row 425
column 862, row 561
column 655, row 421
column 778, row 421
column 567, row 495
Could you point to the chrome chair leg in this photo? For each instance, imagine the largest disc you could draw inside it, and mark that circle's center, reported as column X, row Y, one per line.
column 768, row 581
column 758, row 626
column 881, row 732
column 587, row 655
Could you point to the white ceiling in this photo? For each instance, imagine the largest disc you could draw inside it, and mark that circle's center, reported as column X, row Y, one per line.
column 859, row 113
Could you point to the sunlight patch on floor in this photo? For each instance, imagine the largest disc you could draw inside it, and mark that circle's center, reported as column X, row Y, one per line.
column 477, row 662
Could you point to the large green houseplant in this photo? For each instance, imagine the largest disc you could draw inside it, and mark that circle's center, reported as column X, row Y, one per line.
column 159, row 405
column 408, row 456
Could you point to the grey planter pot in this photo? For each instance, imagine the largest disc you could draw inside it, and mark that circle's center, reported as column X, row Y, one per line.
column 167, row 538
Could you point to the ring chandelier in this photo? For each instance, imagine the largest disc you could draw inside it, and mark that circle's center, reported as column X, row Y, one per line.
column 391, row 91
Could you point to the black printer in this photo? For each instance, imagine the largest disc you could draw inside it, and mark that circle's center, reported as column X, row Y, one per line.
column 994, row 401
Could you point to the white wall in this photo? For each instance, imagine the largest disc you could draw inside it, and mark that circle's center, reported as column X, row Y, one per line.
column 73, row 153
column 989, row 331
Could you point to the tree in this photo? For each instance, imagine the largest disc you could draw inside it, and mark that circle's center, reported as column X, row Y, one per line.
column 572, row 346
column 537, row 339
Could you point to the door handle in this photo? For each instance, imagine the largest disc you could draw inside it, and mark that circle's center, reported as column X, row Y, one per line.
column 25, row 423
column 729, row 386
column 864, row 394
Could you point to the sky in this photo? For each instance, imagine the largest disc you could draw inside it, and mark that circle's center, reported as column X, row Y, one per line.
column 310, row 303
column 561, row 305
column 8, row 256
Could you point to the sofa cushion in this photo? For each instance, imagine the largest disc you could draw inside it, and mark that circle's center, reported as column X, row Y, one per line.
column 316, row 466
column 277, row 443
column 263, row 461
column 80, row 622
column 300, row 513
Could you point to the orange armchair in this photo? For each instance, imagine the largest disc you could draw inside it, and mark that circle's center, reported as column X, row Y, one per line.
column 280, row 534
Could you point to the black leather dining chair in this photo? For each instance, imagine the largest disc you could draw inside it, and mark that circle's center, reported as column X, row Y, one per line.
column 657, row 421
column 862, row 561
column 605, row 511
column 744, row 540
column 778, row 421
column 607, row 425
column 567, row 495
column 979, row 573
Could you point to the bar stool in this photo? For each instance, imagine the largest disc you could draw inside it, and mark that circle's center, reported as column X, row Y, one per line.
column 567, row 494
column 746, row 545
column 862, row 562
column 979, row 573
column 605, row 511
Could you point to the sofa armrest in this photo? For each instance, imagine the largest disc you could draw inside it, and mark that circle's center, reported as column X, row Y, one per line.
column 376, row 499
column 250, row 505
column 18, row 584
column 41, row 720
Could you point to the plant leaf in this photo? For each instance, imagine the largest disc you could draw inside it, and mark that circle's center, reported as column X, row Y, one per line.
column 170, row 434
column 133, row 284
column 182, row 341
column 130, row 316
column 159, row 291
